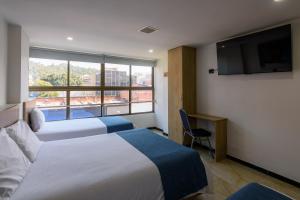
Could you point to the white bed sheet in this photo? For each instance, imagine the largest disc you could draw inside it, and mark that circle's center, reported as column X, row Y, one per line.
column 93, row 168
column 67, row 129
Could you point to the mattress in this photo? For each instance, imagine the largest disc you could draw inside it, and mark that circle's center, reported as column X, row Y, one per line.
column 67, row 129
column 111, row 166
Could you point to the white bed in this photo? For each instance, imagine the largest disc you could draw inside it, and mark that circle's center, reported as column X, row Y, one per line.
column 85, row 168
column 110, row 167
column 66, row 129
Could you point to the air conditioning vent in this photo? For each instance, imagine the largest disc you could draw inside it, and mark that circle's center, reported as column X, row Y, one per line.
column 148, row 29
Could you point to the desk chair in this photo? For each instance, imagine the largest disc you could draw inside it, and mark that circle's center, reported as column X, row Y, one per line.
column 198, row 133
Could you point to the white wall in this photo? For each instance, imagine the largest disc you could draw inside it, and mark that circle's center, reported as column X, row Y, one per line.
column 142, row 120
column 263, row 111
column 17, row 64
column 13, row 64
column 24, row 66
column 3, row 60
column 161, row 93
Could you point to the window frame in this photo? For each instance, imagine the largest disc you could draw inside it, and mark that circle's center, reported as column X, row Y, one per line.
column 100, row 88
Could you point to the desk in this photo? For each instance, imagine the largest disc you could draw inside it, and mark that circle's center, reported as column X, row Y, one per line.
column 220, row 124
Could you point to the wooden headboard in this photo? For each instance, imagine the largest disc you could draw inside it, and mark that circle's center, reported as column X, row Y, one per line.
column 9, row 115
column 28, row 106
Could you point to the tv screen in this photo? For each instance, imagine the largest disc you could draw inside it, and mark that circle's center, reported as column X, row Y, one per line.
column 263, row 52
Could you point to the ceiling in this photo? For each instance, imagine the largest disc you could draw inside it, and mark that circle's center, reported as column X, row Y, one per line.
column 110, row 26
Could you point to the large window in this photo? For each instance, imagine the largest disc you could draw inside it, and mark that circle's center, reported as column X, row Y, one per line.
column 66, row 89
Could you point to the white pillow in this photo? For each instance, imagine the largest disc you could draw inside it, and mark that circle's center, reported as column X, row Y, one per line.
column 37, row 118
column 28, row 142
column 13, row 165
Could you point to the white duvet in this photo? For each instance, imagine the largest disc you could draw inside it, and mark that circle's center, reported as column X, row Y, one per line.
column 91, row 168
column 67, row 129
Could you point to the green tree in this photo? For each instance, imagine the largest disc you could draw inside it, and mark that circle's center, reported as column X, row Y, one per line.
column 46, row 94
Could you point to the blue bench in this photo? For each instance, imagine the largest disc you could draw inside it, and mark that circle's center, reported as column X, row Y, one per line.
column 254, row 191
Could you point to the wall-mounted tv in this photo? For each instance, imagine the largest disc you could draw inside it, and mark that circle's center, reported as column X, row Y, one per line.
column 263, row 52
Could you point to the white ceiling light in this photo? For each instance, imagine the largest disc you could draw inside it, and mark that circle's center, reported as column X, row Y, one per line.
column 150, row 50
column 278, row 0
column 70, row 38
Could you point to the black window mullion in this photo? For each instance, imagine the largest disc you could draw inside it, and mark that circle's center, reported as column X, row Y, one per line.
column 130, row 87
column 153, row 93
column 102, row 86
column 68, row 92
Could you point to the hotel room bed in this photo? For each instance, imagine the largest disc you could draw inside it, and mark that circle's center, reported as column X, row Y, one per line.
column 66, row 129
column 133, row 164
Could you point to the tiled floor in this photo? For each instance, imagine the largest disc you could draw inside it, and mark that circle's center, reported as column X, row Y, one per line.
column 228, row 176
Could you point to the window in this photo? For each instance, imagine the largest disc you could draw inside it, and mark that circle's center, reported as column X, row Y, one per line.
column 85, row 104
column 141, row 95
column 141, row 76
column 85, row 74
column 116, row 75
column 141, row 101
column 116, row 102
column 52, row 104
column 49, row 99
column 141, row 107
column 66, row 89
column 45, row 72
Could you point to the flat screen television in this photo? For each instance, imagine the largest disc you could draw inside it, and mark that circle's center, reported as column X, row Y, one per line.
column 263, row 52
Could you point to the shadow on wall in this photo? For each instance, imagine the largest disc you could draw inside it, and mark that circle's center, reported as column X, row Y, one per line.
column 262, row 76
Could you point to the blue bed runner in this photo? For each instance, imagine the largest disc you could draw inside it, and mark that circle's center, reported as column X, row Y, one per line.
column 254, row 191
column 116, row 123
column 181, row 170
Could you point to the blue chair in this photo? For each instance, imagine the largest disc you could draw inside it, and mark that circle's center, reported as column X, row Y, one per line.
column 196, row 134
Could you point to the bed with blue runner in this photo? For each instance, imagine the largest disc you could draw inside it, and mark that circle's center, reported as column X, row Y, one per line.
column 255, row 191
column 116, row 123
column 68, row 129
column 181, row 169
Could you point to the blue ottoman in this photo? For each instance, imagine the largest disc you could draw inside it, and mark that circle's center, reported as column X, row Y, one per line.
column 254, row 191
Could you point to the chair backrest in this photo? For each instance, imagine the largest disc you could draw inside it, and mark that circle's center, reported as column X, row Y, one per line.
column 185, row 120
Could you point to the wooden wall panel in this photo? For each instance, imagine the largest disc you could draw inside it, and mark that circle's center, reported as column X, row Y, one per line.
column 9, row 115
column 189, row 86
column 182, row 87
column 189, row 79
column 175, row 93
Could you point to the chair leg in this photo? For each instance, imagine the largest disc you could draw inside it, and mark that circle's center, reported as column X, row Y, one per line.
column 192, row 144
column 199, row 139
column 210, row 148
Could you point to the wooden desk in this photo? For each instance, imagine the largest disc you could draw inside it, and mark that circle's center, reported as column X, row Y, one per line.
column 220, row 124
